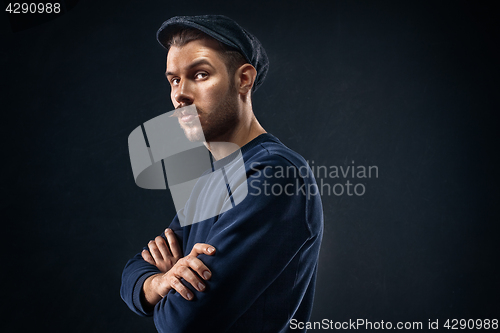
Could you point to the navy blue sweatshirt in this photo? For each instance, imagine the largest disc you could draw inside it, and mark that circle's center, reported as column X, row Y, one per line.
column 267, row 247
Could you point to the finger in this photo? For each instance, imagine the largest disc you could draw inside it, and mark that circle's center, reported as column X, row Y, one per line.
column 176, row 284
column 155, row 253
column 147, row 257
column 189, row 276
column 175, row 248
column 162, row 247
column 198, row 266
column 201, row 248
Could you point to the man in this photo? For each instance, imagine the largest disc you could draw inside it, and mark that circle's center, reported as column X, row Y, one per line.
column 253, row 267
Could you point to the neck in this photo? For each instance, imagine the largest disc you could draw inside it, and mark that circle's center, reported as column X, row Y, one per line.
column 248, row 129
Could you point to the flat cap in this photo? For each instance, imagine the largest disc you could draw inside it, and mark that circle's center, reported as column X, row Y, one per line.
column 226, row 31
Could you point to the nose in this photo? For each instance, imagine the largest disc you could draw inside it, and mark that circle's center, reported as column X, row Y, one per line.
column 183, row 93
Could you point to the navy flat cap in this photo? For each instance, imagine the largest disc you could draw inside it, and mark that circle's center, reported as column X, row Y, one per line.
column 226, row 31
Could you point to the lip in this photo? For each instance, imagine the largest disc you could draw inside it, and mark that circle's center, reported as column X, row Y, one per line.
column 185, row 114
column 186, row 118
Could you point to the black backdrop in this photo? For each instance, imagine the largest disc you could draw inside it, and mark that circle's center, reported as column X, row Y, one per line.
column 408, row 87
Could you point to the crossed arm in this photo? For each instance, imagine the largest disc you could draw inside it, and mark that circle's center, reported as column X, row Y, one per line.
column 173, row 267
column 256, row 242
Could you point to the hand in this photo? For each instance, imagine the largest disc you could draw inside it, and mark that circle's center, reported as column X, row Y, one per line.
column 162, row 256
column 189, row 268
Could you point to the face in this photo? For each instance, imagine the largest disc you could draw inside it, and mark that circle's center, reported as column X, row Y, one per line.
column 198, row 75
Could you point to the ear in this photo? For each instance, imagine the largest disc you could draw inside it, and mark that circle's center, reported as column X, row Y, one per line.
column 245, row 78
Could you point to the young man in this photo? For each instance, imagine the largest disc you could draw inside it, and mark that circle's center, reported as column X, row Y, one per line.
column 251, row 268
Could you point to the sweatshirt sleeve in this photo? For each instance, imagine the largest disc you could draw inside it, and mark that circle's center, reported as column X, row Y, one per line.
column 254, row 241
column 136, row 271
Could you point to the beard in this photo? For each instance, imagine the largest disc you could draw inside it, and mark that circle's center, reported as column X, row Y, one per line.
column 216, row 124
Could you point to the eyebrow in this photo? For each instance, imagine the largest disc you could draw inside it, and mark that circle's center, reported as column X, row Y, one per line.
column 192, row 65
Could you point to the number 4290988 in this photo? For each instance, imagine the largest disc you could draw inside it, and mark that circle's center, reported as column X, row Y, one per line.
column 33, row 8
column 456, row 324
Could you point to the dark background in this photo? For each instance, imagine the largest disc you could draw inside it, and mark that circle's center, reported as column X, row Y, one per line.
column 411, row 87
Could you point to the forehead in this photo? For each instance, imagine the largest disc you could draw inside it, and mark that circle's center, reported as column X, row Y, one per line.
column 180, row 57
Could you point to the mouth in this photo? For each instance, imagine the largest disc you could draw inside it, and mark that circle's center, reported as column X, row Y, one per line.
column 187, row 118
column 186, row 114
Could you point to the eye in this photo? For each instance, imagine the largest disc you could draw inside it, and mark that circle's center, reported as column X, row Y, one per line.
column 201, row 75
column 174, row 81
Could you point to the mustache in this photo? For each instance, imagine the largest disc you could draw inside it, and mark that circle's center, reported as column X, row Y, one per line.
column 185, row 110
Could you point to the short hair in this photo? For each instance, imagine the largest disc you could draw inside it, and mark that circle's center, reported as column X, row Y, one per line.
column 232, row 58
